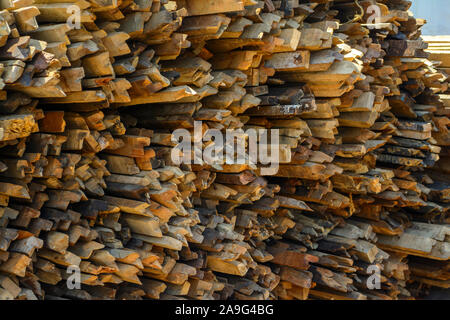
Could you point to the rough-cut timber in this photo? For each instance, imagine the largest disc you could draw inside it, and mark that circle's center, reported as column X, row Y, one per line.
column 87, row 117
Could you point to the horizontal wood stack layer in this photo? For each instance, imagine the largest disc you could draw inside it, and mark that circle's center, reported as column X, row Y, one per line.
column 87, row 178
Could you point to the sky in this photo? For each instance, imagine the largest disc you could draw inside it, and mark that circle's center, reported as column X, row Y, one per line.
column 437, row 14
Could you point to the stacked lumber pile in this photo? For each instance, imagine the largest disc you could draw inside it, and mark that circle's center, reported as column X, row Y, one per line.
column 439, row 49
column 439, row 174
column 439, row 56
column 89, row 127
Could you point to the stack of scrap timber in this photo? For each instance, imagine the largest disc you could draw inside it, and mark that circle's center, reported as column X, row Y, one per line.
column 439, row 50
column 91, row 109
column 426, row 272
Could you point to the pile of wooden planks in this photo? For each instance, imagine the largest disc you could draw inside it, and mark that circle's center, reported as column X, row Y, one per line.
column 439, row 50
column 88, row 181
